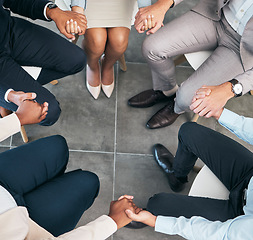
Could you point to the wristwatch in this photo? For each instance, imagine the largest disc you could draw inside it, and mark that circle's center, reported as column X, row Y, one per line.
column 236, row 87
column 52, row 5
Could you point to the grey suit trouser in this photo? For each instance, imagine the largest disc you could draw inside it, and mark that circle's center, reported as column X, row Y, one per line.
column 193, row 32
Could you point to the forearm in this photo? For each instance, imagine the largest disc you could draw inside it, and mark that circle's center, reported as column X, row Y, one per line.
column 33, row 9
column 239, row 125
column 246, row 79
column 78, row 3
column 195, row 228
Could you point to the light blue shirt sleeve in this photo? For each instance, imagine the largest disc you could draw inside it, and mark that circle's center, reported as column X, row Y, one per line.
column 144, row 3
column 79, row 3
column 239, row 125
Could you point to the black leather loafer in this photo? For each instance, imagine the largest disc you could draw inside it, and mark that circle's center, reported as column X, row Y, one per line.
column 148, row 98
column 164, row 117
column 164, row 159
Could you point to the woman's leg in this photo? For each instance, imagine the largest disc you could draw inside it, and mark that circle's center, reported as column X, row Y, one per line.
column 25, row 168
column 116, row 45
column 58, row 204
column 94, row 46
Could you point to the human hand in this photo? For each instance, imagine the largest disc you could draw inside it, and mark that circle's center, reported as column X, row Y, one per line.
column 18, row 97
column 151, row 16
column 77, row 25
column 210, row 100
column 117, row 210
column 31, row 112
column 143, row 216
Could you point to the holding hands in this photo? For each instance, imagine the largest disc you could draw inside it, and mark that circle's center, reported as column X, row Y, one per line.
column 68, row 22
column 209, row 101
column 29, row 111
column 151, row 17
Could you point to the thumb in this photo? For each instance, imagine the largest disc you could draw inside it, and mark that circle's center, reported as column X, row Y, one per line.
column 29, row 96
column 131, row 215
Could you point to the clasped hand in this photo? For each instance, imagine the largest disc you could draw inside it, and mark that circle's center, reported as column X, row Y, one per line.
column 209, row 101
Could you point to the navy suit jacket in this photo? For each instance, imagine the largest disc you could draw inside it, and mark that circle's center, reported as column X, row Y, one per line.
column 29, row 8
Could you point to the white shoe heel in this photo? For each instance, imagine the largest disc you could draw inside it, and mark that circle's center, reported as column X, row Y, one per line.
column 108, row 89
column 94, row 91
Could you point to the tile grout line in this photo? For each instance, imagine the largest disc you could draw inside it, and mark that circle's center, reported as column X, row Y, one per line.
column 115, row 132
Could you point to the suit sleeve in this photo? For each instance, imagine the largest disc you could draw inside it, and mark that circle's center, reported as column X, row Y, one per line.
column 100, row 229
column 33, row 9
column 9, row 125
column 246, row 79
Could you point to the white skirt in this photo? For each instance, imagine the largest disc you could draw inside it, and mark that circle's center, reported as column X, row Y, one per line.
column 110, row 13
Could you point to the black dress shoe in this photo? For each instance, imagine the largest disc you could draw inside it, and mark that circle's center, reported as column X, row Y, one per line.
column 148, row 98
column 164, row 159
column 164, row 117
column 136, row 225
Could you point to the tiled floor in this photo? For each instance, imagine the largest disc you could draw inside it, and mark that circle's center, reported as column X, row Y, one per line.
column 108, row 137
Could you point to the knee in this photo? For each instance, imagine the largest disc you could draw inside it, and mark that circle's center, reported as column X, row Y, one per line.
column 53, row 113
column 95, row 45
column 119, row 43
column 150, row 49
column 77, row 61
column 90, row 183
column 154, row 203
column 187, row 130
column 183, row 99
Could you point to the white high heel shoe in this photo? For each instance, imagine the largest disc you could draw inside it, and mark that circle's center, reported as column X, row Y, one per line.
column 108, row 89
column 94, row 91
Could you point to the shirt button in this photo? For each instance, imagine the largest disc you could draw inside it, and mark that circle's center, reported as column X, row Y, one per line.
column 216, row 12
column 242, row 10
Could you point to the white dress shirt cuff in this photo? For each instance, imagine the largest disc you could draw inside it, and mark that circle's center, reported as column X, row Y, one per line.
column 6, row 95
column 45, row 11
column 165, row 224
column 9, row 126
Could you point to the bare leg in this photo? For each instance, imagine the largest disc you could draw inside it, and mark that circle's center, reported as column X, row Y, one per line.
column 94, row 46
column 116, row 45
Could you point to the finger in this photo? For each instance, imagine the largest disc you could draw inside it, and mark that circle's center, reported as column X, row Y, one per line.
column 131, row 215
column 203, row 112
column 152, row 21
column 75, row 27
column 67, row 27
column 153, row 30
column 72, row 29
column 149, row 22
column 145, row 24
column 126, row 196
column 27, row 96
column 195, row 104
column 44, row 108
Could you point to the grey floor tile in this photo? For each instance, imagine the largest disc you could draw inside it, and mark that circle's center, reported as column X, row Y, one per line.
column 3, row 149
column 132, row 135
column 141, row 177
column 87, row 124
column 103, row 166
column 6, row 142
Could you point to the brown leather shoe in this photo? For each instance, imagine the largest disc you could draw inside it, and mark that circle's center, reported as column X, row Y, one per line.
column 148, row 98
column 164, row 117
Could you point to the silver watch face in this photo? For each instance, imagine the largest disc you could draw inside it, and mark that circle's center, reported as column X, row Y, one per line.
column 237, row 88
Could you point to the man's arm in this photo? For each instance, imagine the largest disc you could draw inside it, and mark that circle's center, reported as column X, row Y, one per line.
column 197, row 228
column 37, row 9
column 104, row 226
column 241, row 126
column 157, row 11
